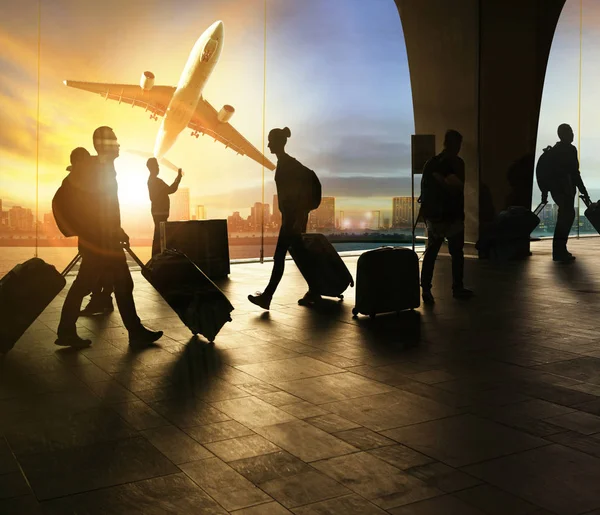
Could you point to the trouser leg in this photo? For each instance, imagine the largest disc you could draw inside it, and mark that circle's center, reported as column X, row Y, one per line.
column 564, row 222
column 434, row 244
column 456, row 243
column 123, row 285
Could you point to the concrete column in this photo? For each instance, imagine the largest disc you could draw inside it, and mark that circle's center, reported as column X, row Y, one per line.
column 478, row 66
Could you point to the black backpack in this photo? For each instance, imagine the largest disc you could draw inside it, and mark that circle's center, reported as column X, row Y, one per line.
column 545, row 169
column 314, row 190
column 62, row 209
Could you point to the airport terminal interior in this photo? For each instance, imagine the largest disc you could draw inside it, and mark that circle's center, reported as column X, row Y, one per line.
column 489, row 406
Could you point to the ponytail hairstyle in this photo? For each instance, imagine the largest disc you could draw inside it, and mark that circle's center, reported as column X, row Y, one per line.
column 280, row 135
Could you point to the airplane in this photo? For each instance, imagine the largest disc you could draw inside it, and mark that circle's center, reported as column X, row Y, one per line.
column 183, row 106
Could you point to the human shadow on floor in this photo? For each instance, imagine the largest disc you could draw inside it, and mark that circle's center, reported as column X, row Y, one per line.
column 391, row 331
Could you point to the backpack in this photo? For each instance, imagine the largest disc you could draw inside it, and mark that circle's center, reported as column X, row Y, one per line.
column 314, row 190
column 62, row 209
column 545, row 169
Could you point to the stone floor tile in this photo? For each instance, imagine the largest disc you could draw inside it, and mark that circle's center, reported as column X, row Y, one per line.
column 278, row 399
column 494, row 501
column 331, row 423
column 363, row 438
column 305, row 441
column 270, row 508
column 241, row 447
column 253, row 412
column 304, row 488
column 75, row 470
column 463, row 439
column 173, row 494
column 389, row 410
column 225, row 485
column 579, row 421
column 333, row 387
column 289, row 369
column 346, row 505
column 443, row 477
column 303, row 409
column 375, row 480
column 588, row 444
column 13, row 484
column 444, row 505
column 176, row 445
column 24, row 505
column 218, row 431
column 554, row 477
column 266, row 467
column 401, row 456
column 139, row 415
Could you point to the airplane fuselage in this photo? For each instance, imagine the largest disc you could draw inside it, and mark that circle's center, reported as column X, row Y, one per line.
column 200, row 64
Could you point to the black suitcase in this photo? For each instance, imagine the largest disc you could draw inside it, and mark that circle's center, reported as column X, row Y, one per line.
column 592, row 213
column 331, row 273
column 387, row 280
column 204, row 242
column 24, row 293
column 198, row 302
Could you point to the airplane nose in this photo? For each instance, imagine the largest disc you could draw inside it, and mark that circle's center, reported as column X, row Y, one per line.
column 217, row 30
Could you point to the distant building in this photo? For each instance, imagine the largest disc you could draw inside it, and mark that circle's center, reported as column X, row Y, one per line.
column 49, row 226
column 20, row 219
column 402, row 211
column 235, row 223
column 180, row 205
column 259, row 214
column 324, row 216
column 200, row 213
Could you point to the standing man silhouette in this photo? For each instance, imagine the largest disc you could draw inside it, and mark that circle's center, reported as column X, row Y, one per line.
column 443, row 208
column 101, row 241
column 159, row 197
column 565, row 180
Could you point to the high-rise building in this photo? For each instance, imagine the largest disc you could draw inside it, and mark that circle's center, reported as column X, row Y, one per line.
column 200, row 213
column 324, row 216
column 20, row 219
column 235, row 223
column 259, row 214
column 180, row 205
column 402, row 211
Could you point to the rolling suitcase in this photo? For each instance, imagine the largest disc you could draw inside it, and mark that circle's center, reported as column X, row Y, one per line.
column 24, row 293
column 204, row 242
column 387, row 280
column 592, row 212
column 198, row 302
column 331, row 273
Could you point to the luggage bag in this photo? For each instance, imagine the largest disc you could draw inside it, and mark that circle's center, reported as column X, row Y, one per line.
column 198, row 302
column 330, row 272
column 592, row 212
column 387, row 280
column 25, row 292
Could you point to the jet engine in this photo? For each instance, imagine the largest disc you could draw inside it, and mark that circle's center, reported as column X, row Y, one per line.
column 147, row 81
column 225, row 113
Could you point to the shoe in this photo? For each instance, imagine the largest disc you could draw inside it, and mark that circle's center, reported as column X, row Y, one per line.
column 462, row 293
column 261, row 300
column 564, row 258
column 98, row 308
column 143, row 337
column 310, row 299
column 428, row 297
column 72, row 340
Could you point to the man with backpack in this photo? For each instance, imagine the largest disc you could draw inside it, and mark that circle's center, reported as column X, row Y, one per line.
column 299, row 192
column 442, row 207
column 558, row 172
column 90, row 209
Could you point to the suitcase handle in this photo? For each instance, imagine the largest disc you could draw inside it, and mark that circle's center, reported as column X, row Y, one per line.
column 586, row 200
column 539, row 209
column 134, row 256
column 70, row 266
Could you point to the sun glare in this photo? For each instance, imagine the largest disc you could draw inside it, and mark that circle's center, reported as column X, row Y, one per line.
column 132, row 177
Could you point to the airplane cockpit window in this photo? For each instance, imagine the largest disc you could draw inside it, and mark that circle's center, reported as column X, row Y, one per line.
column 209, row 50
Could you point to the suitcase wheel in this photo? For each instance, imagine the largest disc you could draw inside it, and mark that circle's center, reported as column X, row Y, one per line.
column 354, row 312
column 341, row 297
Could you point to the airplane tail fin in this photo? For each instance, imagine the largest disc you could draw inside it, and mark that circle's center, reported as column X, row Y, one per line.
column 163, row 161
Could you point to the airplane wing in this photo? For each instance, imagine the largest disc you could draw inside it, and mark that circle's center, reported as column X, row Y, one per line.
column 156, row 100
column 205, row 120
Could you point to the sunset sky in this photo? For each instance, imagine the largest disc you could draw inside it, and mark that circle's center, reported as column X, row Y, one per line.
column 336, row 75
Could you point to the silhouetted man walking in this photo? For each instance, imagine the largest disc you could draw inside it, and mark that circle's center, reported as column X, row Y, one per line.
column 97, row 219
column 442, row 207
column 564, row 180
column 159, row 197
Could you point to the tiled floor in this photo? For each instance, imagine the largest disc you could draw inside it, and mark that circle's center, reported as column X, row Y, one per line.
column 484, row 407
